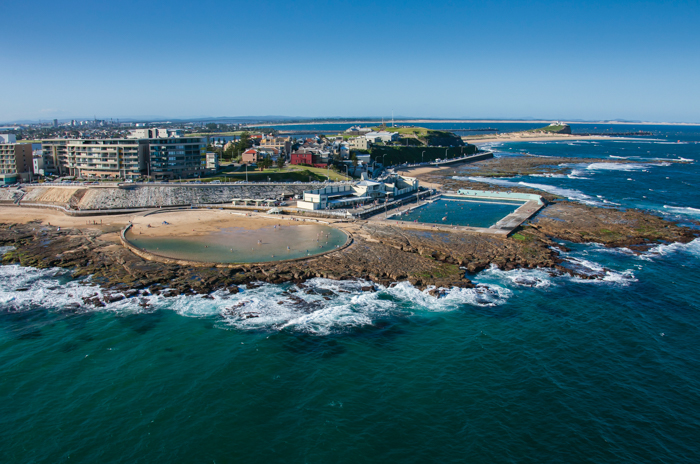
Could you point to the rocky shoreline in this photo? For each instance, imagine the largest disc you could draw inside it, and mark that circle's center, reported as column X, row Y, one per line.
column 380, row 253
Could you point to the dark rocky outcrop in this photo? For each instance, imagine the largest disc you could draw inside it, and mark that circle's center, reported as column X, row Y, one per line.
column 380, row 253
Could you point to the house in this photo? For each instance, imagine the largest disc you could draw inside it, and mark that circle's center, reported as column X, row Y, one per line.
column 359, row 143
column 269, row 152
column 302, row 158
column 344, row 150
column 308, row 158
column 252, row 156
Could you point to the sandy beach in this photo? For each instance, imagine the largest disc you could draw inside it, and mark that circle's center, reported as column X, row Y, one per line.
column 203, row 222
column 472, row 121
column 531, row 137
column 179, row 222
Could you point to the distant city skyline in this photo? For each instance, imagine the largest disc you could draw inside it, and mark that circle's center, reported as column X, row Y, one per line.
column 585, row 60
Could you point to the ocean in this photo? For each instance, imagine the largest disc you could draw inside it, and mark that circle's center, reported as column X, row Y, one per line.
column 535, row 368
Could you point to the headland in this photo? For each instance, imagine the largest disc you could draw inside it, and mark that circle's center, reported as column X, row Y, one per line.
column 383, row 251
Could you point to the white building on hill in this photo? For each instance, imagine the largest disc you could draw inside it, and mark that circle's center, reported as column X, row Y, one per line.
column 382, row 136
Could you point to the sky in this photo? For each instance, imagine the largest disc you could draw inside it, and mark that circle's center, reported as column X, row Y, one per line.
column 590, row 60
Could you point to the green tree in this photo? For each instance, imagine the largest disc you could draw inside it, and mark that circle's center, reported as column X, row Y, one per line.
column 244, row 143
column 280, row 161
column 230, row 152
column 353, row 158
column 265, row 163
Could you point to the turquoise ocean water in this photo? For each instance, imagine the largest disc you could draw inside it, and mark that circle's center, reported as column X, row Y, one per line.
column 528, row 368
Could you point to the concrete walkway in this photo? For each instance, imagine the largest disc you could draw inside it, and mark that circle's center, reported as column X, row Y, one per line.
column 517, row 217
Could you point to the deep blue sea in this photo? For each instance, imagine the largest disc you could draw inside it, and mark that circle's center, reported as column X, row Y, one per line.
column 536, row 369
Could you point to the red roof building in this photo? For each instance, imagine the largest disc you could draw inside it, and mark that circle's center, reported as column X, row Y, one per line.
column 251, row 156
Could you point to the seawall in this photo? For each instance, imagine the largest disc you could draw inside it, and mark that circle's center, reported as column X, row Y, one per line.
column 146, row 196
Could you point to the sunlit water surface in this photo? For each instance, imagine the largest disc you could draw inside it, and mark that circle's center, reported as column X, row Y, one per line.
column 531, row 367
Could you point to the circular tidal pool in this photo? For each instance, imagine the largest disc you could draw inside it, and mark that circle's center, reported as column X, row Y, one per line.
column 243, row 245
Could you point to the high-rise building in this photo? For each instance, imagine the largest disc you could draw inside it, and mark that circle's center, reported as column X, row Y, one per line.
column 162, row 157
column 55, row 153
column 175, row 157
column 15, row 160
column 55, row 123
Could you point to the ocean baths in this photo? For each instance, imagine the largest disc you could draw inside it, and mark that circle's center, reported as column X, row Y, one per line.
column 478, row 210
column 231, row 238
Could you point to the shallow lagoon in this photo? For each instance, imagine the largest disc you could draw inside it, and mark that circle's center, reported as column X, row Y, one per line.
column 460, row 211
column 241, row 245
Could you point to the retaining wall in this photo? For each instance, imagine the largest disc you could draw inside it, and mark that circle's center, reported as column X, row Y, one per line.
column 147, row 255
column 142, row 196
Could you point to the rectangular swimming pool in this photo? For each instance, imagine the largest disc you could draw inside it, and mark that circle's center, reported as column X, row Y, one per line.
column 460, row 211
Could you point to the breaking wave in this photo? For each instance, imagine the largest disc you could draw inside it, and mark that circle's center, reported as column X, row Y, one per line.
column 695, row 212
column 692, row 247
column 534, row 278
column 577, row 174
column 616, row 167
column 318, row 306
column 21, row 287
column 593, row 272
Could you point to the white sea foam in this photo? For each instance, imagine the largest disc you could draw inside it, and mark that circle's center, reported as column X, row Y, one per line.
column 555, row 176
column 577, row 174
column 599, row 273
column 695, row 212
column 598, row 247
column 22, row 287
column 305, row 310
column 319, row 306
column 535, row 278
column 692, row 247
column 616, row 167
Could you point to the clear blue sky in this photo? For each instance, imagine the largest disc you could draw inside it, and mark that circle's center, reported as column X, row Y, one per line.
column 484, row 59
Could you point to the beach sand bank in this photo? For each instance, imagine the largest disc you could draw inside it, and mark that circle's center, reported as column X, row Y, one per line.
column 531, row 137
column 203, row 222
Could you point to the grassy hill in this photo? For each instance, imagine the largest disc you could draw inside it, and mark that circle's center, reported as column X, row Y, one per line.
column 428, row 137
column 555, row 129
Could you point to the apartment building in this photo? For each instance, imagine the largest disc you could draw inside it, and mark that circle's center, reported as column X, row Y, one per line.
column 15, row 160
column 104, row 158
column 175, row 157
column 154, row 133
column 155, row 158
column 55, row 154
